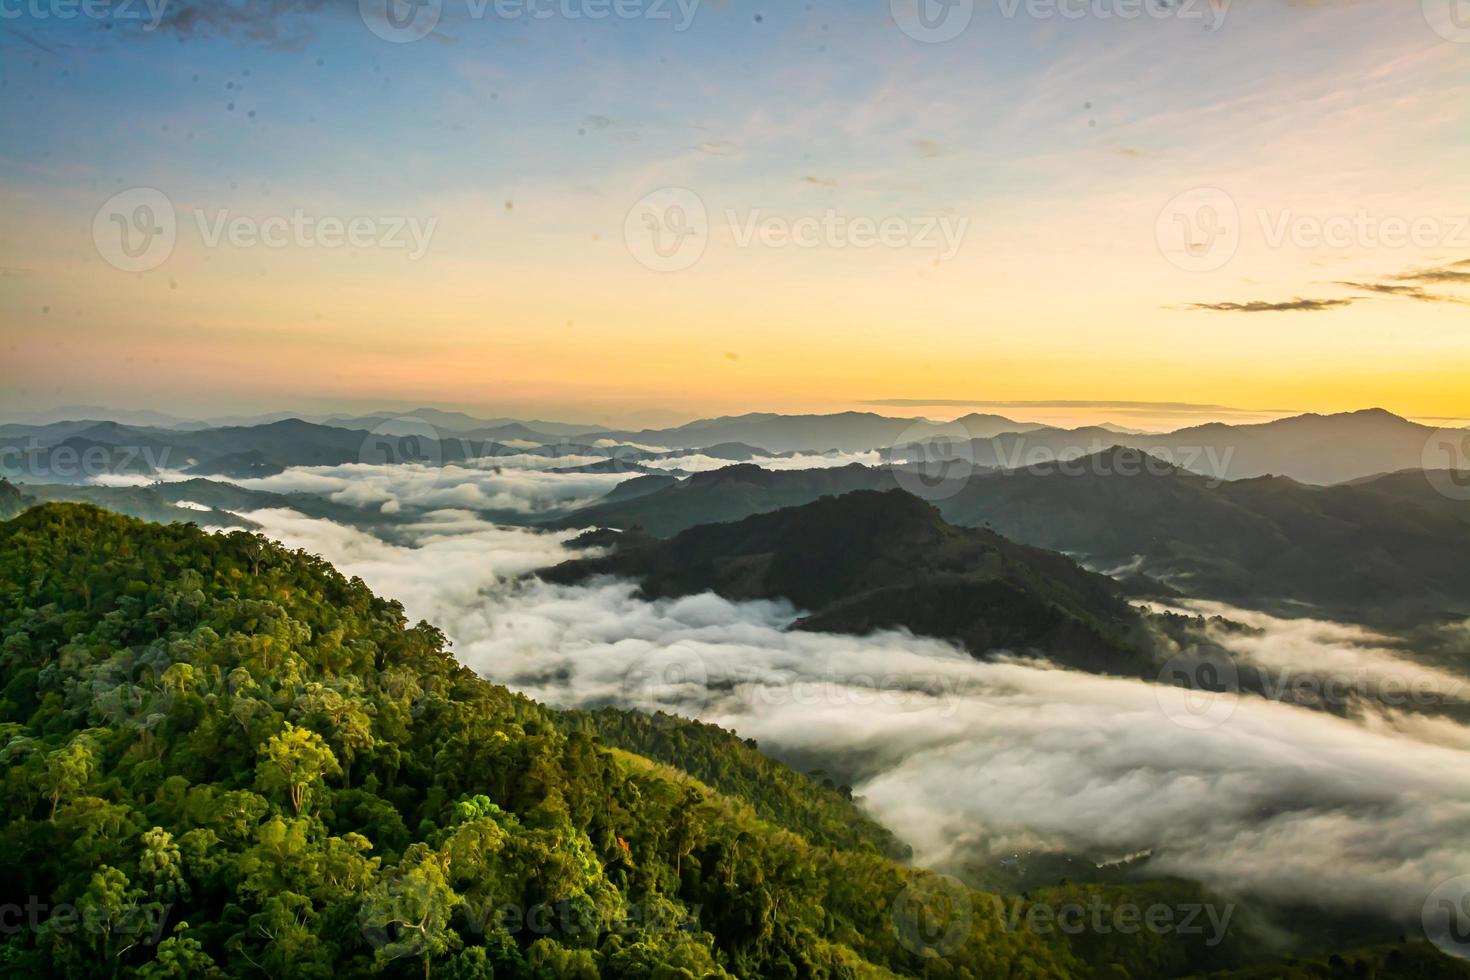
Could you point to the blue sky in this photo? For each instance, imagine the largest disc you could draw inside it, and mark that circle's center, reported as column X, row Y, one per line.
column 1055, row 141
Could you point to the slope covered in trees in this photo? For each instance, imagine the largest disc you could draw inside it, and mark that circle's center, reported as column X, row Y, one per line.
column 221, row 758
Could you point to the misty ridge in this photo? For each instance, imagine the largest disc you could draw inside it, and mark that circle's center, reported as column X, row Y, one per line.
column 1100, row 667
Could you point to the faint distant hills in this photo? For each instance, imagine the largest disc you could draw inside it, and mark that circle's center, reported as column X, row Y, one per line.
column 1320, row 449
column 1315, row 449
column 457, row 423
column 849, row 432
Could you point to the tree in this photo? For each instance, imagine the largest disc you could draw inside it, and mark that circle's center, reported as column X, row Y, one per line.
column 295, row 761
column 68, row 770
column 409, row 913
column 180, row 958
column 162, row 863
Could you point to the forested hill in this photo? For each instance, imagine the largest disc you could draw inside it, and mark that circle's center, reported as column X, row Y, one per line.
column 221, row 758
column 871, row 560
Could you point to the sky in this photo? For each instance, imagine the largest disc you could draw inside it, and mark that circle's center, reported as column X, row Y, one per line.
column 644, row 211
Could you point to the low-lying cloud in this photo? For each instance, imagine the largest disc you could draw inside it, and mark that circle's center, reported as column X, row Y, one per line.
column 521, row 484
column 969, row 760
column 700, row 463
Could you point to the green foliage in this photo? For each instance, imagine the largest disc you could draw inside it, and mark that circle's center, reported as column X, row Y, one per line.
column 817, row 810
column 207, row 729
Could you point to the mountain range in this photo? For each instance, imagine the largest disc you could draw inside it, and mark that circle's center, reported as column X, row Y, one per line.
column 1317, row 449
column 871, row 560
column 1389, row 549
column 1320, row 449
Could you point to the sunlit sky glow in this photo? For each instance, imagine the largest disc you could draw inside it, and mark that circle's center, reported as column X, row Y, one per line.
column 1056, row 144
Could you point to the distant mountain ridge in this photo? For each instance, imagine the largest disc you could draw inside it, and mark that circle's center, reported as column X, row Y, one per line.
column 844, row 432
column 1385, row 549
column 1317, row 449
column 871, row 560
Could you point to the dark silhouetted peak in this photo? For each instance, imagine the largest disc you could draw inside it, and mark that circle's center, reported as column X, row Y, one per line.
column 739, row 473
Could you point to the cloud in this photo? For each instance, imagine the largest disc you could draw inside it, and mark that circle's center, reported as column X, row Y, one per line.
column 1343, row 663
column 1408, row 292
column 275, row 23
column 967, row 760
column 718, row 148
column 1454, row 273
column 1297, row 305
column 514, row 484
column 930, row 149
column 698, row 463
column 1410, row 285
column 820, row 181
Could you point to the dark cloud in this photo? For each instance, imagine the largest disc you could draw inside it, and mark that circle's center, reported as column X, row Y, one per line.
column 1459, row 272
column 1408, row 292
column 275, row 23
column 1297, row 305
